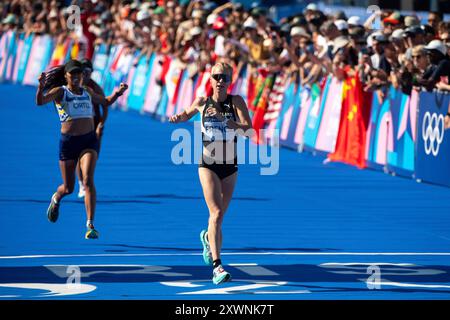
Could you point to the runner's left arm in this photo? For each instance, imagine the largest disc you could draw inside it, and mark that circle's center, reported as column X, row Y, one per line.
column 245, row 122
column 107, row 101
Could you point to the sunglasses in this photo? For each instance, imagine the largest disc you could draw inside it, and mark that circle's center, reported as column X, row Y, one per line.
column 221, row 76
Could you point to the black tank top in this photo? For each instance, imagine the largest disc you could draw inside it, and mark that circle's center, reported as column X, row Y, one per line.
column 214, row 130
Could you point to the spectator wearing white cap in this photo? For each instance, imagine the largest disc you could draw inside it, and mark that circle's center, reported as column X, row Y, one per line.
column 354, row 21
column 397, row 39
column 342, row 27
column 439, row 74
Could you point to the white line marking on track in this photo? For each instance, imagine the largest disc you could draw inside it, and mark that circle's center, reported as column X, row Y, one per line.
column 230, row 254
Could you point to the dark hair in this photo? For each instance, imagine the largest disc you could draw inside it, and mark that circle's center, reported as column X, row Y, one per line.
column 55, row 78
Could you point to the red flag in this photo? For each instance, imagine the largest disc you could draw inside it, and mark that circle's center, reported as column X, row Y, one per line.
column 351, row 140
column 115, row 63
column 165, row 68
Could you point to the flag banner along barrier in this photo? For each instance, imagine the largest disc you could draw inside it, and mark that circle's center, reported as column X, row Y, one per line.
column 41, row 51
column 315, row 115
column 22, row 58
column 387, row 129
column 329, row 124
column 378, row 129
column 139, row 83
column 291, row 116
column 100, row 63
column 400, row 154
column 8, row 47
column 433, row 141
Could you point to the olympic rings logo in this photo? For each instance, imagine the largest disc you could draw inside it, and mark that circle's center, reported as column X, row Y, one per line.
column 432, row 132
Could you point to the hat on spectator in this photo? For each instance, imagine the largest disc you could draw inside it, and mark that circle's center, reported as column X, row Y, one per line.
column 413, row 31
column 300, row 32
column 394, row 18
column 219, row 24
column 142, row 15
column 397, row 34
column 379, row 37
column 339, row 43
column 311, row 7
column 341, row 25
column 354, row 21
column 159, row 10
column 411, row 21
column 371, row 38
column 10, row 19
column 250, row 23
column 437, row 45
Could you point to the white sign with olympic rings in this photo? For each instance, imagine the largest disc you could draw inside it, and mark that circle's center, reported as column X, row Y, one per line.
column 432, row 132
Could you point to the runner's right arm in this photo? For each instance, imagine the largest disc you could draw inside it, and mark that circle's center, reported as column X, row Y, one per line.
column 189, row 112
column 52, row 95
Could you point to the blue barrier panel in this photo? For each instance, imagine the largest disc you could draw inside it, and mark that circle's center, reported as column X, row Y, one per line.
column 400, row 156
column 99, row 64
column 433, row 142
column 315, row 117
column 284, row 116
column 139, row 84
column 24, row 56
column 296, row 109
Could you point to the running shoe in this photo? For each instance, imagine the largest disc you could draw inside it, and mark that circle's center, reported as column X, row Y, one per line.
column 91, row 233
column 82, row 191
column 207, row 256
column 53, row 210
column 220, row 275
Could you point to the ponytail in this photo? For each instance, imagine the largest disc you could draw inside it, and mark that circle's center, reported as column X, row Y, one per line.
column 54, row 78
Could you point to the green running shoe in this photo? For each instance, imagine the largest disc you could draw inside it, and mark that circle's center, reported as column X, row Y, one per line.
column 220, row 275
column 207, row 256
column 53, row 210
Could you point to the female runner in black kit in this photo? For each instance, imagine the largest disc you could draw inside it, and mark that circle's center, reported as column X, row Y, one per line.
column 222, row 115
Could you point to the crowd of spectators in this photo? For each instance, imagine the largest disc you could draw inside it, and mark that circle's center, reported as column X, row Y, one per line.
column 309, row 45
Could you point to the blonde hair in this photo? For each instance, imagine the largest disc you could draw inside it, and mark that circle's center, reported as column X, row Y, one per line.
column 225, row 67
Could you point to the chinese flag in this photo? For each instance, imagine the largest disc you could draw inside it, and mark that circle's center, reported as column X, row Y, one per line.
column 355, row 113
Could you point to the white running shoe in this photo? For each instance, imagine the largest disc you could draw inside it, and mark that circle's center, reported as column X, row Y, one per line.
column 220, row 275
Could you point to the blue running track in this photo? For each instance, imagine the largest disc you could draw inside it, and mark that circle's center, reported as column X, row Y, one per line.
column 312, row 231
